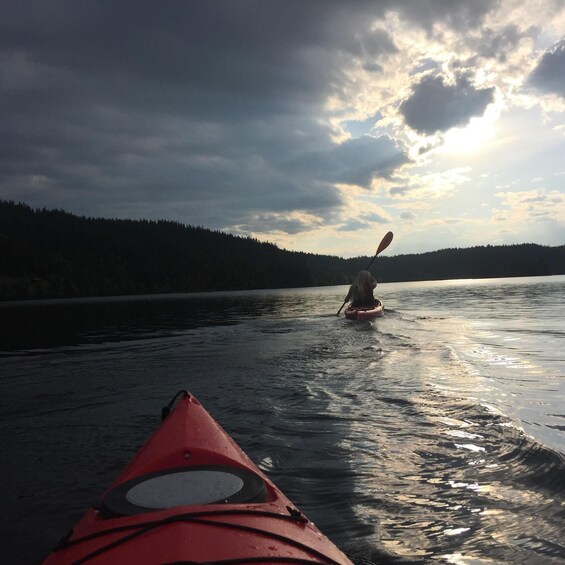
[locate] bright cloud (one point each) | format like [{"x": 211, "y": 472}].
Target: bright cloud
[
  {"x": 533, "y": 205},
  {"x": 424, "y": 186}
]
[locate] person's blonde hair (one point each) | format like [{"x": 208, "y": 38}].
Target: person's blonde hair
[{"x": 363, "y": 279}]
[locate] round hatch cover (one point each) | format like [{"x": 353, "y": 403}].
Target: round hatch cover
[{"x": 184, "y": 486}]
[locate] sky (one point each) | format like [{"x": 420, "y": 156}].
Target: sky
[{"x": 318, "y": 125}]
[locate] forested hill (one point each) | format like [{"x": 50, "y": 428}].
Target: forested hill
[{"x": 51, "y": 253}]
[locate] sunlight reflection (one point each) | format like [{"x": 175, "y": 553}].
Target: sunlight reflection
[
  {"x": 453, "y": 422},
  {"x": 475, "y": 487},
  {"x": 455, "y": 531},
  {"x": 470, "y": 446},
  {"x": 461, "y": 434}
]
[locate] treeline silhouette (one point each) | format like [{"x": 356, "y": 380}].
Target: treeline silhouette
[{"x": 55, "y": 254}]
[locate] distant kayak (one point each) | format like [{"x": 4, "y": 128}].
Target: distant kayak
[
  {"x": 365, "y": 312},
  {"x": 192, "y": 495}
]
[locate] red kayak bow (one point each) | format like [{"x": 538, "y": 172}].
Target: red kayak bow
[{"x": 192, "y": 495}]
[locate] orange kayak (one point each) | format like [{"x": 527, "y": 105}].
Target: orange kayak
[
  {"x": 365, "y": 312},
  {"x": 192, "y": 495}
]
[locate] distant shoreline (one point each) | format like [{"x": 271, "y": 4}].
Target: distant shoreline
[
  {"x": 50, "y": 254},
  {"x": 243, "y": 292}
]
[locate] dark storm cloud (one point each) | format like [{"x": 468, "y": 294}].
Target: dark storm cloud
[
  {"x": 497, "y": 44},
  {"x": 549, "y": 75},
  {"x": 356, "y": 161},
  {"x": 203, "y": 111},
  {"x": 229, "y": 60},
  {"x": 436, "y": 106}
]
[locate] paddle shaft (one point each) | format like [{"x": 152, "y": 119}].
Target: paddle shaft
[{"x": 385, "y": 242}]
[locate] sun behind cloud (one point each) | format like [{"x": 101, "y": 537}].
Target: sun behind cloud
[{"x": 474, "y": 137}]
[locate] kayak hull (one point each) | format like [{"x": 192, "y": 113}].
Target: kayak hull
[
  {"x": 365, "y": 312},
  {"x": 191, "y": 494}
]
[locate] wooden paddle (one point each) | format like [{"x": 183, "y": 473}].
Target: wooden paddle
[{"x": 385, "y": 242}]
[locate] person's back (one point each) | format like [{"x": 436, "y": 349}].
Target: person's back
[{"x": 361, "y": 291}]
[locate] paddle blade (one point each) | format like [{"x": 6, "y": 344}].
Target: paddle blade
[{"x": 384, "y": 243}]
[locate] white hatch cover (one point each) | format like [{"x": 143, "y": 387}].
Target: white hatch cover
[{"x": 184, "y": 486}]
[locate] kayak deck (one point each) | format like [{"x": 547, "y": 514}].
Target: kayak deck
[{"x": 191, "y": 494}]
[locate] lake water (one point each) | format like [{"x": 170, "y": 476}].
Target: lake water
[{"x": 434, "y": 434}]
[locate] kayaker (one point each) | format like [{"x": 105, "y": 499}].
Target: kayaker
[{"x": 361, "y": 291}]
